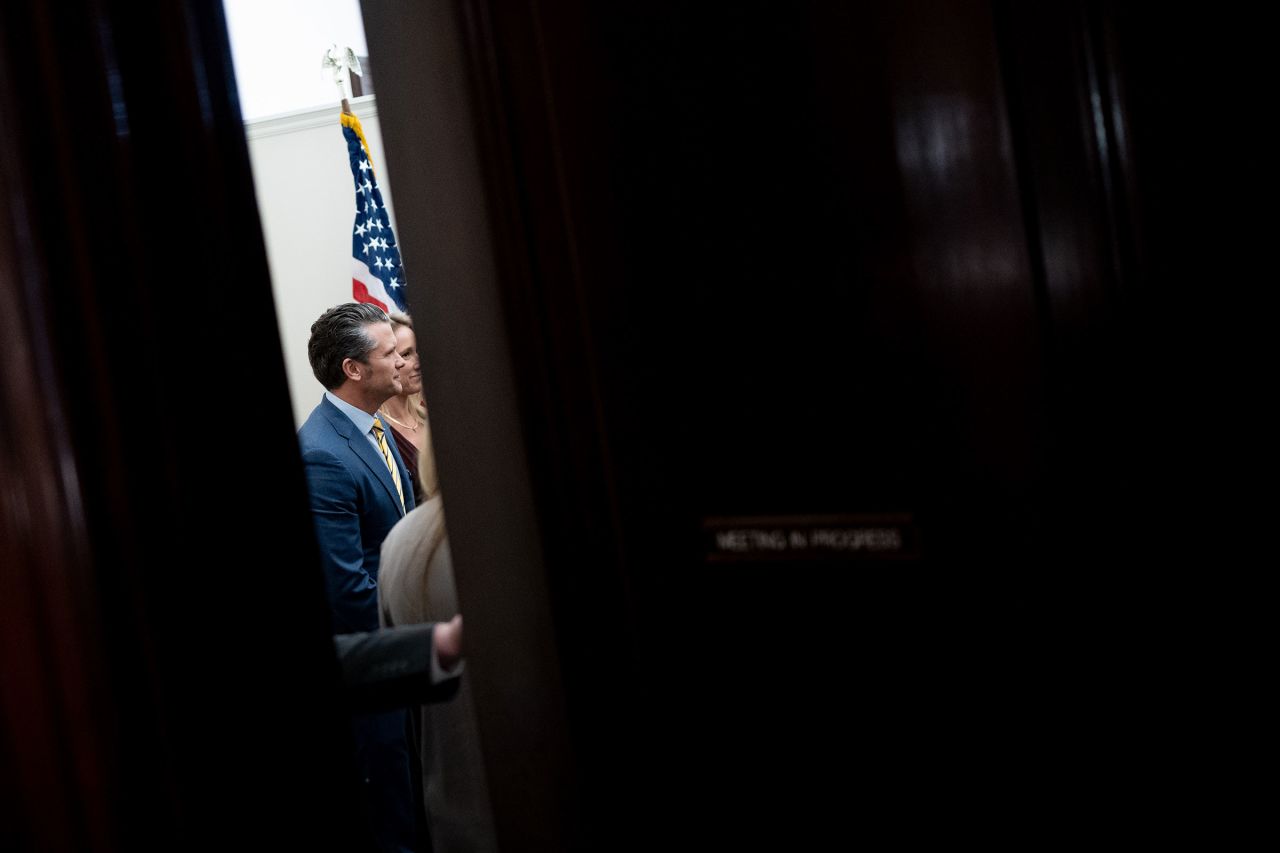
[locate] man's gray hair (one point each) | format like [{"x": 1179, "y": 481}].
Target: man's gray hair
[{"x": 341, "y": 333}]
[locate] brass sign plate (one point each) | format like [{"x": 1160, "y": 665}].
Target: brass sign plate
[{"x": 889, "y": 536}]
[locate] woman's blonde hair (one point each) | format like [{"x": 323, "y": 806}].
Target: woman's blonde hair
[{"x": 427, "y": 465}]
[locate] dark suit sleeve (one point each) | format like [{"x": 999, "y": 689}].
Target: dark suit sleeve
[
  {"x": 353, "y": 593},
  {"x": 390, "y": 668}
]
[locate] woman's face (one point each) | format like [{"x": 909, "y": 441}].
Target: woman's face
[{"x": 411, "y": 374}]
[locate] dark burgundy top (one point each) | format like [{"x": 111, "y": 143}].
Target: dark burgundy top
[{"x": 409, "y": 453}]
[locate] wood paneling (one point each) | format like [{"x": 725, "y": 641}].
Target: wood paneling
[{"x": 168, "y": 674}]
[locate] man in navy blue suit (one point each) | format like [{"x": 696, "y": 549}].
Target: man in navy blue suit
[{"x": 359, "y": 488}]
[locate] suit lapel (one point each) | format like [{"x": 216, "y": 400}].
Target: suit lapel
[
  {"x": 406, "y": 477},
  {"x": 364, "y": 451}
]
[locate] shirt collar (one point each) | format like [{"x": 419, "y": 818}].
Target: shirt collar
[{"x": 362, "y": 419}]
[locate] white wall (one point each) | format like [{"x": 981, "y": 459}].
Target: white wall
[
  {"x": 307, "y": 207},
  {"x": 277, "y": 45}
]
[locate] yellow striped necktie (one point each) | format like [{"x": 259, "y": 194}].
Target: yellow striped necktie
[{"x": 381, "y": 437}]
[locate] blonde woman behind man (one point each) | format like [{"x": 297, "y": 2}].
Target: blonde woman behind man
[{"x": 406, "y": 413}]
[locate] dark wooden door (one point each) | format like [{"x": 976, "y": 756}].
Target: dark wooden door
[
  {"x": 768, "y": 268},
  {"x": 168, "y": 677}
]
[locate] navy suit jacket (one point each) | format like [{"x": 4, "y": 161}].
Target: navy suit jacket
[{"x": 354, "y": 505}]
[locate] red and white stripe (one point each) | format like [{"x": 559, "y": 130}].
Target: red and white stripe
[{"x": 366, "y": 287}]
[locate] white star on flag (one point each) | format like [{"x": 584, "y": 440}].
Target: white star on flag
[
  {"x": 394, "y": 282},
  {"x": 361, "y": 228}
]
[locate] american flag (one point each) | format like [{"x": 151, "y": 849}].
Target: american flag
[{"x": 377, "y": 275}]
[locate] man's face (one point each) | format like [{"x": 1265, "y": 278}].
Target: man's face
[{"x": 380, "y": 373}]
